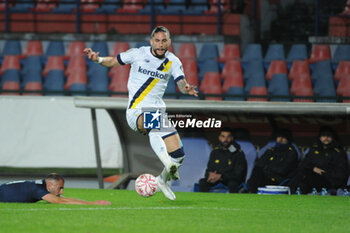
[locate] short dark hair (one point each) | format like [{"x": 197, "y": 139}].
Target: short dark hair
[
  {"x": 226, "y": 129},
  {"x": 54, "y": 176},
  {"x": 160, "y": 29}
]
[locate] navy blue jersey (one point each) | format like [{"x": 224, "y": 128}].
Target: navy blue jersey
[{"x": 23, "y": 191}]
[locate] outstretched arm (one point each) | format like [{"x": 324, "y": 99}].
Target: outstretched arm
[
  {"x": 105, "y": 61},
  {"x": 66, "y": 200},
  {"x": 186, "y": 88}
]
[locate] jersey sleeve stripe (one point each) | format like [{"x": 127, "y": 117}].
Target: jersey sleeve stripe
[
  {"x": 143, "y": 91},
  {"x": 179, "y": 78},
  {"x": 120, "y": 60}
]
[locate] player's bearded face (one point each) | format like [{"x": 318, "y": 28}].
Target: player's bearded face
[{"x": 160, "y": 43}]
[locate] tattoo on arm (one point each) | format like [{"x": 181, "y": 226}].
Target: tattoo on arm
[{"x": 181, "y": 84}]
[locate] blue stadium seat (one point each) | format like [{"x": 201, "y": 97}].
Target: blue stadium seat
[
  {"x": 274, "y": 52},
  {"x": 10, "y": 75},
  {"x": 250, "y": 155},
  {"x": 342, "y": 53},
  {"x": 322, "y": 78},
  {"x": 235, "y": 91},
  {"x": 141, "y": 44},
  {"x": 251, "y": 52},
  {"x": 253, "y": 67},
  {"x": 55, "y": 48},
  {"x": 12, "y": 47},
  {"x": 278, "y": 86},
  {"x": 321, "y": 69},
  {"x": 170, "y": 91},
  {"x": 158, "y": 6},
  {"x": 109, "y": 6},
  {"x": 54, "y": 81},
  {"x": 296, "y": 52},
  {"x": 32, "y": 63},
  {"x": 31, "y": 76},
  {"x": 197, "y": 7},
  {"x": 197, "y": 152},
  {"x": 272, "y": 144},
  {"x": 208, "y": 51},
  {"x": 208, "y": 66},
  {"x": 80, "y": 88},
  {"x": 65, "y": 6},
  {"x": 255, "y": 80},
  {"x": 100, "y": 46},
  {"x": 175, "y": 7},
  {"x": 22, "y": 6}
]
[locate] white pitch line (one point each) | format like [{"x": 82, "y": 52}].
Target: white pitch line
[{"x": 123, "y": 208}]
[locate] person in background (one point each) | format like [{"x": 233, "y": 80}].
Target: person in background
[
  {"x": 227, "y": 165},
  {"x": 324, "y": 166},
  {"x": 49, "y": 189}
]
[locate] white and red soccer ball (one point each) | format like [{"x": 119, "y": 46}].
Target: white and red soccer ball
[{"x": 146, "y": 185}]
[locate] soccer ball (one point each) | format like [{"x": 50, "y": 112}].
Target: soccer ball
[{"x": 146, "y": 185}]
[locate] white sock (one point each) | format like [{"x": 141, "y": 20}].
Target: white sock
[
  {"x": 159, "y": 147},
  {"x": 164, "y": 175}
]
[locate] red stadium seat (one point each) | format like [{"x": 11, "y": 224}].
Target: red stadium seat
[
  {"x": 320, "y": 53},
  {"x": 119, "y": 82},
  {"x": 233, "y": 80},
  {"x": 191, "y": 71},
  {"x": 343, "y": 69},
  {"x": 304, "y": 92},
  {"x": 75, "y": 63},
  {"x": 119, "y": 47},
  {"x": 78, "y": 76},
  {"x": 299, "y": 67},
  {"x": 211, "y": 84},
  {"x": 187, "y": 50},
  {"x": 89, "y": 5},
  {"x": 346, "y": 93},
  {"x": 259, "y": 91},
  {"x": 301, "y": 81},
  {"x": 225, "y": 6},
  {"x": 230, "y": 52},
  {"x": 11, "y": 86},
  {"x": 33, "y": 86},
  {"x": 33, "y": 48},
  {"x": 119, "y": 71},
  {"x": 10, "y": 62},
  {"x": 276, "y": 67},
  {"x": 131, "y": 6},
  {"x": 337, "y": 27},
  {"x": 54, "y": 63},
  {"x": 344, "y": 84},
  {"x": 75, "y": 48},
  {"x": 231, "y": 66}
]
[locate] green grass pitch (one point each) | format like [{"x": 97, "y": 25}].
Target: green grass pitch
[{"x": 191, "y": 212}]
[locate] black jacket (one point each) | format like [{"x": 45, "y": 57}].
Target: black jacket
[
  {"x": 279, "y": 162},
  {"x": 231, "y": 165},
  {"x": 332, "y": 159}
]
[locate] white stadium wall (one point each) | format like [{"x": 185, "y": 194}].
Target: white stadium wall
[{"x": 52, "y": 132}]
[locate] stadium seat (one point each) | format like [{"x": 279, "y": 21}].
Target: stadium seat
[
  {"x": 187, "y": 50},
  {"x": 197, "y": 151},
  {"x": 344, "y": 84},
  {"x": 276, "y": 67},
  {"x": 89, "y": 5},
  {"x": 109, "y": 6},
  {"x": 54, "y": 81},
  {"x": 78, "y": 89},
  {"x": 191, "y": 71},
  {"x": 75, "y": 63},
  {"x": 98, "y": 86},
  {"x": 122, "y": 71},
  {"x": 255, "y": 80},
  {"x": 213, "y": 6},
  {"x": 65, "y": 6},
  {"x": 119, "y": 81},
  {"x": 10, "y": 75},
  {"x": 44, "y": 6},
  {"x": 320, "y": 53},
  {"x": 231, "y": 67},
  {"x": 342, "y": 53},
  {"x": 175, "y": 7},
  {"x": 208, "y": 66},
  {"x": 34, "y": 87},
  {"x": 33, "y": 48},
  {"x": 229, "y": 52},
  {"x": 321, "y": 69},
  {"x": 170, "y": 91},
  {"x": 55, "y": 48},
  {"x": 252, "y": 52},
  {"x": 233, "y": 80},
  {"x": 271, "y": 144},
  {"x": 100, "y": 46},
  {"x": 75, "y": 48},
  {"x": 253, "y": 68},
  {"x": 78, "y": 76},
  {"x": 10, "y": 62},
  {"x": 301, "y": 81},
  {"x": 32, "y": 63},
  {"x": 22, "y": 6},
  {"x": 235, "y": 91},
  {"x": 131, "y": 6},
  {"x": 324, "y": 87},
  {"x": 346, "y": 94},
  {"x": 343, "y": 69},
  {"x": 296, "y": 52},
  {"x": 258, "y": 91},
  {"x": 53, "y": 63},
  {"x": 31, "y": 76},
  {"x": 208, "y": 51},
  {"x": 141, "y": 44},
  {"x": 274, "y": 52},
  {"x": 12, "y": 47},
  {"x": 299, "y": 68},
  {"x": 278, "y": 86},
  {"x": 211, "y": 85},
  {"x": 119, "y": 47},
  {"x": 307, "y": 92},
  {"x": 250, "y": 155},
  {"x": 197, "y": 7},
  {"x": 10, "y": 86}
]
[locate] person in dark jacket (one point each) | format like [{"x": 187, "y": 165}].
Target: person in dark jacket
[
  {"x": 276, "y": 164},
  {"x": 227, "y": 164},
  {"x": 324, "y": 166}
]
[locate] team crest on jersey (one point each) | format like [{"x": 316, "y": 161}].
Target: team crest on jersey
[{"x": 165, "y": 66}]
